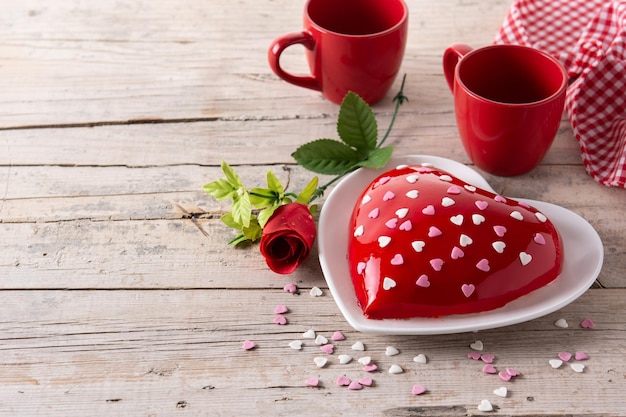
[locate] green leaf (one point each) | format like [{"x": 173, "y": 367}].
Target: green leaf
[
  {"x": 327, "y": 156},
  {"x": 273, "y": 183},
  {"x": 231, "y": 176},
  {"x": 305, "y": 195},
  {"x": 242, "y": 208},
  {"x": 254, "y": 231},
  {"x": 263, "y": 197},
  {"x": 220, "y": 189},
  {"x": 228, "y": 220},
  {"x": 356, "y": 124},
  {"x": 265, "y": 214},
  {"x": 238, "y": 240},
  {"x": 377, "y": 158}
]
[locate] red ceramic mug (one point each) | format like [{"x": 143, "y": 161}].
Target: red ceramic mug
[
  {"x": 351, "y": 45},
  {"x": 508, "y": 102}
]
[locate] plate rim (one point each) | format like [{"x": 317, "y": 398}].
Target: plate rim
[{"x": 457, "y": 324}]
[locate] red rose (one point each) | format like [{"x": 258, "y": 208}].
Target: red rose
[{"x": 287, "y": 237}]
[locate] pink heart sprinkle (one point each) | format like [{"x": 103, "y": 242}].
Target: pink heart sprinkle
[
  {"x": 280, "y": 309},
  {"x": 581, "y": 356},
  {"x": 397, "y": 259},
  {"x": 328, "y": 349},
  {"x": 389, "y": 196},
  {"x": 512, "y": 372},
  {"x": 370, "y": 367},
  {"x": 290, "y": 288},
  {"x": 487, "y": 357},
  {"x": 248, "y": 344},
  {"x": 481, "y": 204},
  {"x": 355, "y": 386},
  {"x": 392, "y": 223},
  {"x": 429, "y": 210},
  {"x": 564, "y": 356},
  {"x": 406, "y": 226},
  {"x": 468, "y": 289},
  {"x": 436, "y": 263},
  {"x": 366, "y": 381},
  {"x": 337, "y": 337},
  {"x": 539, "y": 239},
  {"x": 505, "y": 376},
  {"x": 454, "y": 190},
  {"x": 489, "y": 369},
  {"x": 587, "y": 324},
  {"x": 474, "y": 355},
  {"x": 374, "y": 213},
  {"x": 280, "y": 320},
  {"x": 424, "y": 170},
  {"x": 500, "y": 199},
  {"x": 360, "y": 267},
  {"x": 312, "y": 382},
  {"x": 434, "y": 232},
  {"x": 418, "y": 390},
  {"x": 483, "y": 265},
  {"x": 343, "y": 381},
  {"x": 383, "y": 181},
  {"x": 457, "y": 253},
  {"x": 500, "y": 230},
  {"x": 423, "y": 281}
]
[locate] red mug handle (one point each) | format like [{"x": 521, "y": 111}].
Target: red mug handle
[
  {"x": 451, "y": 57},
  {"x": 276, "y": 49}
]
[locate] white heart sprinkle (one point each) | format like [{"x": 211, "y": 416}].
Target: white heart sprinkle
[
  {"x": 388, "y": 283},
  {"x": 316, "y": 292},
  {"x": 358, "y": 346},
  {"x": 458, "y": 219},
  {"x": 412, "y": 179},
  {"x": 469, "y": 188},
  {"x": 501, "y": 392},
  {"x": 577, "y": 367},
  {"x": 418, "y": 245},
  {"x": 465, "y": 240},
  {"x": 395, "y": 369},
  {"x": 320, "y": 340},
  {"x": 447, "y": 202},
  {"x": 383, "y": 241},
  {"x": 561, "y": 323},
  {"x": 344, "y": 359},
  {"x": 320, "y": 361},
  {"x": 412, "y": 194},
  {"x": 421, "y": 358},
  {"x": 401, "y": 213},
  {"x": 555, "y": 363},
  {"x": 309, "y": 334},
  {"x": 517, "y": 215},
  {"x": 446, "y": 178},
  {"x": 541, "y": 217},
  {"x": 366, "y": 199},
  {"x": 391, "y": 351},
  {"x": 365, "y": 360},
  {"x": 359, "y": 231},
  {"x": 485, "y": 405},
  {"x": 525, "y": 258},
  {"x": 296, "y": 344},
  {"x": 477, "y": 345},
  {"x": 499, "y": 246},
  {"x": 402, "y": 166},
  {"x": 478, "y": 219}
]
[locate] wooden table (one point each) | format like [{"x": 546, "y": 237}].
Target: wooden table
[{"x": 119, "y": 295}]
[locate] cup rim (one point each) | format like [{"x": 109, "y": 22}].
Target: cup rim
[
  {"x": 401, "y": 22},
  {"x": 551, "y": 97}
]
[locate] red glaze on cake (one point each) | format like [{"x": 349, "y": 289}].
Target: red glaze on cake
[{"x": 425, "y": 244}]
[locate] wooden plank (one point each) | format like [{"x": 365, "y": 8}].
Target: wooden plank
[
  {"x": 161, "y": 352},
  {"x": 91, "y": 63}
]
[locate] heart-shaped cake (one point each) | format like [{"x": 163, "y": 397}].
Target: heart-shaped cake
[{"x": 426, "y": 244}]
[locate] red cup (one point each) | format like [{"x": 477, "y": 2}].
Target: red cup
[
  {"x": 351, "y": 45},
  {"x": 508, "y": 102}
]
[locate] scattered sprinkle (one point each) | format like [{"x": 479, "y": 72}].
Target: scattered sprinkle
[
  {"x": 280, "y": 320},
  {"x": 555, "y": 363},
  {"x": 358, "y": 346},
  {"x": 280, "y": 309},
  {"x": 365, "y": 360},
  {"x": 248, "y": 345},
  {"x": 320, "y": 340},
  {"x": 421, "y": 358},
  {"x": 564, "y": 356},
  {"x": 343, "y": 381},
  {"x": 337, "y": 337},
  {"x": 370, "y": 367},
  {"x": 501, "y": 392},
  {"x": 309, "y": 334},
  {"x": 578, "y": 367},
  {"x": 290, "y": 288},
  {"x": 316, "y": 292},
  {"x": 312, "y": 382},
  {"x": 581, "y": 356},
  {"x": 344, "y": 359},
  {"x": 328, "y": 349},
  {"x": 355, "y": 386},
  {"x": 296, "y": 344},
  {"x": 487, "y": 357},
  {"x": 485, "y": 405},
  {"x": 587, "y": 324},
  {"x": 320, "y": 361},
  {"x": 366, "y": 381},
  {"x": 489, "y": 369},
  {"x": 474, "y": 355},
  {"x": 561, "y": 323},
  {"x": 513, "y": 372},
  {"x": 391, "y": 351},
  {"x": 395, "y": 369},
  {"x": 504, "y": 375},
  {"x": 418, "y": 390}
]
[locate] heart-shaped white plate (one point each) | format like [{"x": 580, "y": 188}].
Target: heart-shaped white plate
[{"x": 583, "y": 257}]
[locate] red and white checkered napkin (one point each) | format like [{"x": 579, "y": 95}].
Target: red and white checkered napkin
[{"x": 589, "y": 38}]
